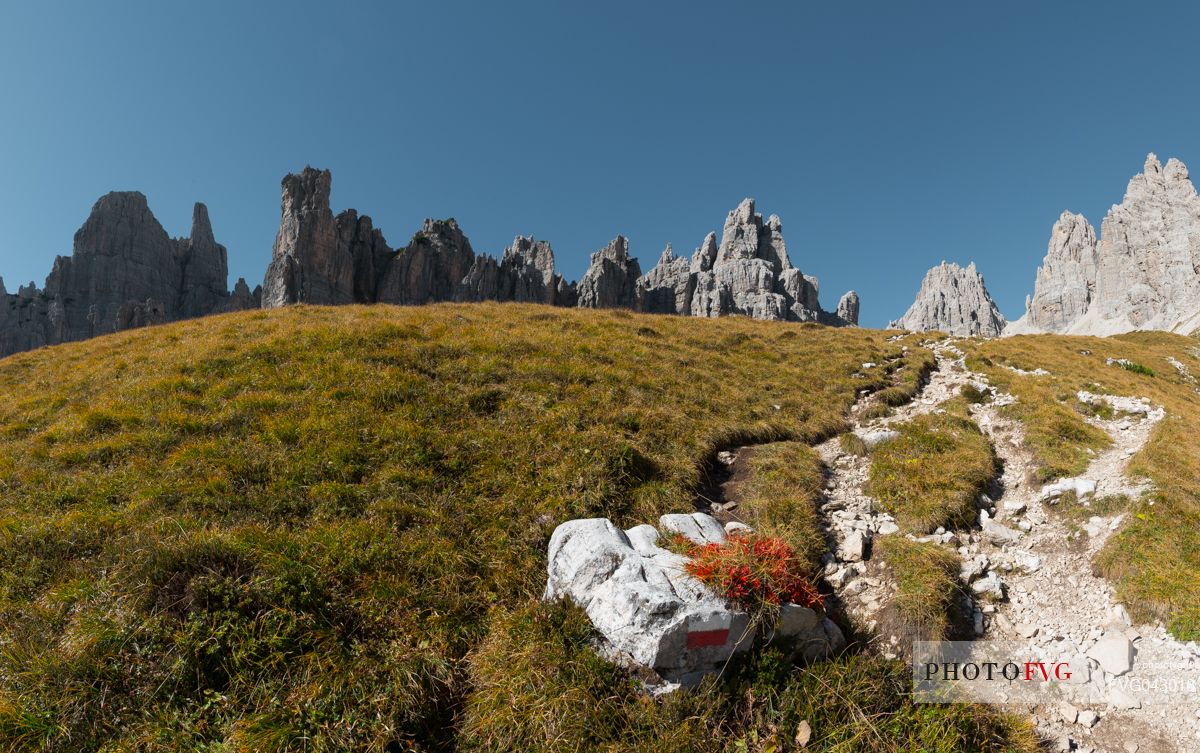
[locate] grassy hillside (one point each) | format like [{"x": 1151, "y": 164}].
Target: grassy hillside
[{"x": 324, "y": 529}]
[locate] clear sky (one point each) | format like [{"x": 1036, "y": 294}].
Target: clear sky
[{"x": 888, "y": 136}]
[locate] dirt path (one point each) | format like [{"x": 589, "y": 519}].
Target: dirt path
[{"x": 1054, "y": 607}]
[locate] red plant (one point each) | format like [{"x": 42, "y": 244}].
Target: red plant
[{"x": 754, "y": 571}]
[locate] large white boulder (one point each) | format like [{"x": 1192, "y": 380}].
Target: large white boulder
[{"x": 647, "y": 608}]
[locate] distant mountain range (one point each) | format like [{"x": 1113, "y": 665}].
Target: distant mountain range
[
  {"x": 125, "y": 271},
  {"x": 1143, "y": 272}
]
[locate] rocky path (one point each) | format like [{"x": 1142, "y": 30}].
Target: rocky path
[{"x": 1031, "y": 570}]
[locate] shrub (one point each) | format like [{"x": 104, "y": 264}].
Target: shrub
[
  {"x": 1136, "y": 368},
  {"x": 853, "y": 444},
  {"x": 757, "y": 573},
  {"x": 926, "y": 606}
]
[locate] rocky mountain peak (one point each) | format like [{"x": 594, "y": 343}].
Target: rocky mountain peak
[
  {"x": 847, "y": 308},
  {"x": 202, "y": 233},
  {"x": 705, "y": 255},
  {"x": 955, "y": 300},
  {"x": 307, "y": 191},
  {"x": 611, "y": 279},
  {"x": 1140, "y": 273},
  {"x": 125, "y": 271},
  {"x": 746, "y": 236}
]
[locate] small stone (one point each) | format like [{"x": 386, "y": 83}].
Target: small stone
[
  {"x": 990, "y": 585},
  {"x": 887, "y": 528},
  {"x": 1114, "y": 653},
  {"x": 1014, "y": 507},
  {"x": 997, "y": 533},
  {"x": 854, "y": 548},
  {"x": 1068, "y": 712},
  {"x": 1119, "y": 614},
  {"x": 1088, "y": 718},
  {"x": 1025, "y": 630},
  {"x": 1131, "y": 747},
  {"x": 1119, "y": 699}
]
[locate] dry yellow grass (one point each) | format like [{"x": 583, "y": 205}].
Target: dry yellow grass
[{"x": 290, "y": 530}]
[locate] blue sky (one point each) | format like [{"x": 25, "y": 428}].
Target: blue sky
[{"x": 888, "y": 138}]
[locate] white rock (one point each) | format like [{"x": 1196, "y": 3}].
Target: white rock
[
  {"x": 734, "y": 527},
  {"x": 646, "y": 607},
  {"x": 1114, "y": 653},
  {"x": 1080, "y": 669},
  {"x": 1088, "y": 718},
  {"x": 854, "y": 548},
  {"x": 887, "y": 528},
  {"x": 697, "y": 527},
  {"x": 1120, "y": 615},
  {"x": 875, "y": 437},
  {"x": 1014, "y": 507},
  {"x": 1081, "y": 486},
  {"x": 1027, "y": 562},
  {"x": 998, "y": 533},
  {"x": 990, "y": 585}
]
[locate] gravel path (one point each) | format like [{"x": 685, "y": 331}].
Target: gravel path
[{"x": 1038, "y": 563}]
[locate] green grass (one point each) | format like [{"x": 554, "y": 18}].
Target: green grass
[
  {"x": 1154, "y": 560},
  {"x": 926, "y": 606},
  {"x": 779, "y": 497},
  {"x": 933, "y": 472},
  {"x": 316, "y": 529}
]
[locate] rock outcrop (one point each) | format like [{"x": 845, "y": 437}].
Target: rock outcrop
[
  {"x": 847, "y": 308},
  {"x": 312, "y": 260},
  {"x": 748, "y": 273},
  {"x": 320, "y": 258},
  {"x": 1142, "y": 273},
  {"x": 125, "y": 271},
  {"x": 953, "y": 300},
  {"x": 611, "y": 281},
  {"x": 525, "y": 274},
  {"x": 667, "y": 288},
  {"x": 650, "y": 611},
  {"x": 432, "y": 267}
]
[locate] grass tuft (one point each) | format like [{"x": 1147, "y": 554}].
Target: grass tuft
[
  {"x": 928, "y": 590},
  {"x": 909, "y": 475}
]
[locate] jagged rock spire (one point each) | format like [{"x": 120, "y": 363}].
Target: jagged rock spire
[
  {"x": 1142, "y": 271},
  {"x": 611, "y": 279},
  {"x": 953, "y": 300},
  {"x": 125, "y": 271}
]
